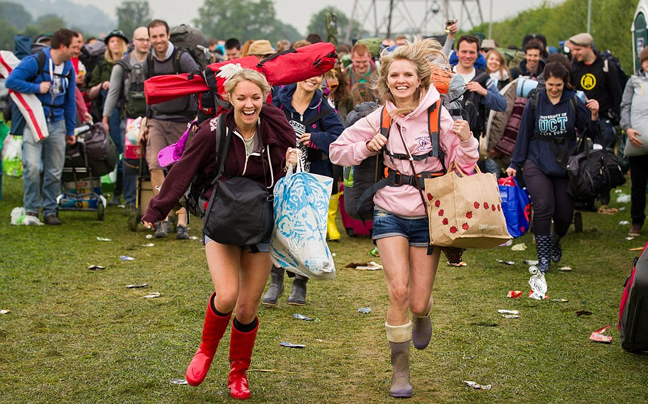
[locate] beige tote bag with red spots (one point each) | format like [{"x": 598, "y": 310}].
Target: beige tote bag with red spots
[{"x": 465, "y": 211}]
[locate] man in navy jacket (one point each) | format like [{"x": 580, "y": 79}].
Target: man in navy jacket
[{"x": 50, "y": 75}]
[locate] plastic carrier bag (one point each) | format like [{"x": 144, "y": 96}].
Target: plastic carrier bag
[
  {"x": 12, "y": 156},
  {"x": 298, "y": 242},
  {"x": 516, "y": 206}
]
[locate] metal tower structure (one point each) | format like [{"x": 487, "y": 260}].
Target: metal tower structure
[{"x": 422, "y": 17}]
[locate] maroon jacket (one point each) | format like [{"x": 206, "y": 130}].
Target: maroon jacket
[{"x": 277, "y": 136}]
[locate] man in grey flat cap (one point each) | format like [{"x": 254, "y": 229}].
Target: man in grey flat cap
[{"x": 599, "y": 80}]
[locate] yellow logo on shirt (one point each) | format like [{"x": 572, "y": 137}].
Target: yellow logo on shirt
[{"x": 588, "y": 81}]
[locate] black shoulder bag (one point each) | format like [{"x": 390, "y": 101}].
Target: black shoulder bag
[{"x": 240, "y": 209}]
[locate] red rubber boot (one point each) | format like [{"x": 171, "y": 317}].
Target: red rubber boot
[
  {"x": 241, "y": 346},
  {"x": 213, "y": 331}
]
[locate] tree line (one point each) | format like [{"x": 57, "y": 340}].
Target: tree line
[{"x": 610, "y": 25}]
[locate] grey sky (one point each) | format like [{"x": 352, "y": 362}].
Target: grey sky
[{"x": 298, "y": 13}]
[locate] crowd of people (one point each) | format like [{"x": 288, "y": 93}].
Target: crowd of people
[{"x": 522, "y": 134}]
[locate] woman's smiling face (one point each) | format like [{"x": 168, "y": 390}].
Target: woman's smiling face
[
  {"x": 247, "y": 100},
  {"x": 402, "y": 81}
]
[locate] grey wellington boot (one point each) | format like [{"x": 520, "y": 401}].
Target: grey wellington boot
[
  {"x": 276, "y": 288},
  {"x": 400, "y": 338},
  {"x": 421, "y": 331},
  {"x": 298, "y": 292},
  {"x": 400, "y": 387}
]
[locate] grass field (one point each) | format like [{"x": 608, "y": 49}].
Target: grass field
[{"x": 80, "y": 336}]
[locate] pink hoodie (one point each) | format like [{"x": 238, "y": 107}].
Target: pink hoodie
[{"x": 350, "y": 149}]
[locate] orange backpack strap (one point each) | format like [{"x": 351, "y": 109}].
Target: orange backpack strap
[
  {"x": 434, "y": 123},
  {"x": 385, "y": 122}
]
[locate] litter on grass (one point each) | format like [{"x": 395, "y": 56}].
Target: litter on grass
[
  {"x": 148, "y": 245},
  {"x": 623, "y": 198},
  {"x": 506, "y": 262},
  {"x": 103, "y": 239},
  {"x": 507, "y": 243},
  {"x": 565, "y": 269},
  {"x": 289, "y": 345},
  {"x": 151, "y": 295},
  {"x": 5, "y": 311},
  {"x": 510, "y": 316},
  {"x": 583, "y": 313},
  {"x": 458, "y": 264},
  {"x": 126, "y": 258},
  {"x": 367, "y": 266},
  {"x": 519, "y": 247},
  {"x": 514, "y": 294},
  {"x": 370, "y": 266},
  {"x": 364, "y": 310},
  {"x": 149, "y": 236},
  {"x": 477, "y": 386},
  {"x": 531, "y": 262},
  {"x": 597, "y": 336},
  {"x": 505, "y": 311},
  {"x": 629, "y": 238},
  {"x": 624, "y": 223},
  {"x": 194, "y": 238},
  {"x": 143, "y": 285},
  {"x": 560, "y": 300},
  {"x": 19, "y": 217},
  {"x": 538, "y": 284},
  {"x": 532, "y": 295},
  {"x": 302, "y": 317},
  {"x": 95, "y": 267},
  {"x": 178, "y": 381}
]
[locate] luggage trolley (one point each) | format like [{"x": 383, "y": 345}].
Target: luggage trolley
[
  {"x": 81, "y": 189},
  {"x": 144, "y": 192}
]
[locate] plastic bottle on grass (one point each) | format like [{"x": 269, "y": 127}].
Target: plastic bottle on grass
[{"x": 538, "y": 283}]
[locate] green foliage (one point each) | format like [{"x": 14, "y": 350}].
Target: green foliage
[
  {"x": 87, "y": 17},
  {"x": 45, "y": 24},
  {"x": 15, "y": 13},
  {"x": 7, "y": 32},
  {"x": 242, "y": 19},
  {"x": 133, "y": 14},
  {"x": 610, "y": 25},
  {"x": 287, "y": 31},
  {"x": 346, "y": 27}
]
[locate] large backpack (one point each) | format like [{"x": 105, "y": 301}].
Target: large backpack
[
  {"x": 362, "y": 181},
  {"x": 193, "y": 41},
  {"x": 633, "y": 310},
  {"x": 474, "y": 110},
  {"x": 609, "y": 58},
  {"x": 132, "y": 95},
  {"x": 92, "y": 55}
]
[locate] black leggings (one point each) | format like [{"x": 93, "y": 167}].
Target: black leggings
[
  {"x": 639, "y": 176},
  {"x": 550, "y": 200}
]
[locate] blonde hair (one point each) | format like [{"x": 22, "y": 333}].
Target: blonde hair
[
  {"x": 421, "y": 53},
  {"x": 247, "y": 75},
  {"x": 122, "y": 49}
]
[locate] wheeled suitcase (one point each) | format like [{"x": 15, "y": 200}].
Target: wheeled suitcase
[
  {"x": 633, "y": 311},
  {"x": 353, "y": 227}
]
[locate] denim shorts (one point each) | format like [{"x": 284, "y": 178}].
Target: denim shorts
[
  {"x": 385, "y": 224},
  {"x": 261, "y": 247}
]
